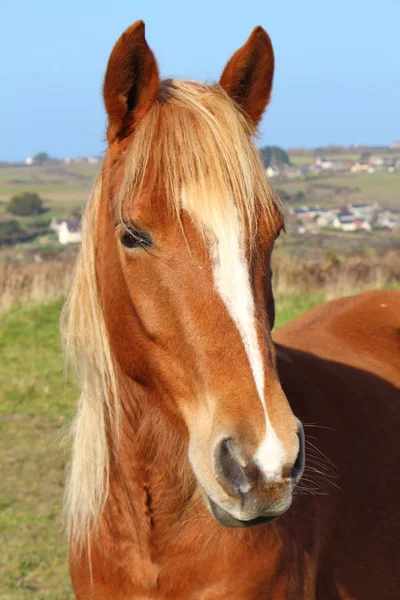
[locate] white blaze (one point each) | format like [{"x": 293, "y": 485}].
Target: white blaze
[{"x": 232, "y": 282}]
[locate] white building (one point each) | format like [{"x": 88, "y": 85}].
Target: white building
[
  {"x": 323, "y": 163},
  {"x": 362, "y": 211},
  {"x": 387, "y": 220},
  {"x": 272, "y": 171},
  {"x": 349, "y": 222},
  {"x": 69, "y": 232},
  {"x": 55, "y": 224},
  {"x": 326, "y": 218}
]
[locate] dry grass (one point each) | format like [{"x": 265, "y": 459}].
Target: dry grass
[
  {"x": 335, "y": 276},
  {"x": 21, "y": 283},
  {"x": 332, "y": 277}
]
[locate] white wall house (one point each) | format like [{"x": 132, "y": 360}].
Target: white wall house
[
  {"x": 348, "y": 223},
  {"x": 55, "y": 224},
  {"x": 387, "y": 221},
  {"x": 69, "y": 232},
  {"x": 362, "y": 211},
  {"x": 272, "y": 171}
]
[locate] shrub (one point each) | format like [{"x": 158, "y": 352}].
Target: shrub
[
  {"x": 8, "y": 229},
  {"x": 299, "y": 196},
  {"x": 273, "y": 155},
  {"x": 40, "y": 158},
  {"x": 25, "y": 204}
]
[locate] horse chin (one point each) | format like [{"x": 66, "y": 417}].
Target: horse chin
[{"x": 224, "y": 518}]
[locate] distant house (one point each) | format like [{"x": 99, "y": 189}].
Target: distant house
[
  {"x": 68, "y": 230},
  {"x": 348, "y": 222},
  {"x": 55, "y": 224},
  {"x": 291, "y": 172},
  {"x": 343, "y": 217},
  {"x": 376, "y": 161},
  {"x": 272, "y": 171},
  {"x": 326, "y": 218},
  {"x": 74, "y": 160},
  {"x": 387, "y": 220},
  {"x": 29, "y": 160},
  {"x": 362, "y": 168},
  {"x": 362, "y": 210},
  {"x": 347, "y": 164},
  {"x": 337, "y": 165},
  {"x": 323, "y": 163},
  {"x": 307, "y": 214}
]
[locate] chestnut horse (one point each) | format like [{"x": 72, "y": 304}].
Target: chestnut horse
[{"x": 186, "y": 433}]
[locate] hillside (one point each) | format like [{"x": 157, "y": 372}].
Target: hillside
[{"x": 64, "y": 189}]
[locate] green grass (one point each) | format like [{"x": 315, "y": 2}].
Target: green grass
[
  {"x": 354, "y": 157},
  {"x": 62, "y": 187},
  {"x": 340, "y": 189},
  {"x": 36, "y": 404},
  {"x": 375, "y": 182},
  {"x": 309, "y": 159},
  {"x": 289, "y": 306}
]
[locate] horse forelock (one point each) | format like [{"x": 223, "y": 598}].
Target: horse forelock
[{"x": 194, "y": 138}]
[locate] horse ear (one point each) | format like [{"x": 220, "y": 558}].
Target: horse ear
[
  {"x": 131, "y": 83},
  {"x": 247, "y": 78}
]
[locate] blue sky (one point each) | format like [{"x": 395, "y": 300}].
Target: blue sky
[{"x": 337, "y": 66}]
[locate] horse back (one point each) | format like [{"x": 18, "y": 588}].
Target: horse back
[
  {"x": 362, "y": 330},
  {"x": 339, "y": 365}
]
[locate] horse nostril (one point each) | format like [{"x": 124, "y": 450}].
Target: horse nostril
[
  {"x": 228, "y": 471},
  {"x": 298, "y": 468}
]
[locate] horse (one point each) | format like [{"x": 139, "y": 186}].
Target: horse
[{"x": 188, "y": 477}]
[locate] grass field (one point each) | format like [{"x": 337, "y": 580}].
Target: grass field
[
  {"x": 382, "y": 188},
  {"x": 65, "y": 188},
  {"x": 62, "y": 187},
  {"x": 354, "y": 157},
  {"x": 35, "y": 406},
  {"x": 309, "y": 159},
  {"x": 36, "y": 403}
]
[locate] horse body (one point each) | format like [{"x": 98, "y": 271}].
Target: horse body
[
  {"x": 188, "y": 430},
  {"x": 339, "y": 543},
  {"x": 341, "y": 370}
]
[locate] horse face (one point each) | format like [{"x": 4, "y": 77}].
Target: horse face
[{"x": 186, "y": 297}]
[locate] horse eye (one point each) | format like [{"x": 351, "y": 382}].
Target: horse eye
[{"x": 132, "y": 238}]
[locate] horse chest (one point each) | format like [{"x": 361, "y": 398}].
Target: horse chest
[{"x": 215, "y": 570}]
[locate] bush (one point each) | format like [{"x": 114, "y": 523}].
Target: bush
[
  {"x": 40, "y": 158},
  {"x": 25, "y": 204},
  {"x": 274, "y": 156},
  {"x": 299, "y": 196},
  {"x": 8, "y": 229}
]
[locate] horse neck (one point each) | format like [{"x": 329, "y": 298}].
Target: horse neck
[
  {"x": 151, "y": 481},
  {"x": 154, "y": 504}
]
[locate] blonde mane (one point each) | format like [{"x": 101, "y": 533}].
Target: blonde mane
[{"x": 194, "y": 142}]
